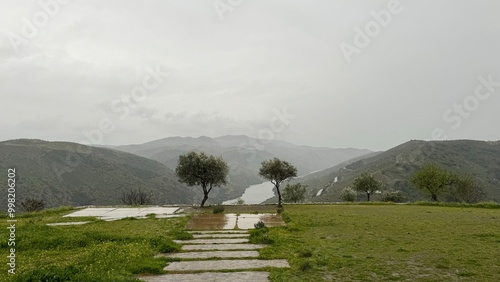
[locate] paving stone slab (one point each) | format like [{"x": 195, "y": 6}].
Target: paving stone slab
[
  {"x": 90, "y": 212},
  {"x": 208, "y": 236},
  {"x": 110, "y": 214},
  {"x": 212, "y": 241},
  {"x": 221, "y": 247},
  {"x": 67, "y": 223},
  {"x": 213, "y": 254},
  {"x": 247, "y": 276},
  {"x": 225, "y": 264},
  {"x": 218, "y": 231}
]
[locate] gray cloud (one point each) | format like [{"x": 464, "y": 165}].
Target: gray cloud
[{"x": 226, "y": 76}]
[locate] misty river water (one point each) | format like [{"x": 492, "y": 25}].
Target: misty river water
[{"x": 255, "y": 194}]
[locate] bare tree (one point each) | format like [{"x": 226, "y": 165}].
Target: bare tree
[{"x": 135, "y": 198}]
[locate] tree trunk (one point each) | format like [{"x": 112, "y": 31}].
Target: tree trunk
[
  {"x": 434, "y": 197},
  {"x": 205, "y": 198},
  {"x": 368, "y": 196},
  {"x": 279, "y": 196}
]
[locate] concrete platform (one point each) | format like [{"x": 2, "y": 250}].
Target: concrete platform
[
  {"x": 213, "y": 254},
  {"x": 213, "y": 241},
  {"x": 218, "y": 232},
  {"x": 231, "y": 221},
  {"x": 225, "y": 264},
  {"x": 120, "y": 213},
  {"x": 247, "y": 276},
  {"x": 221, "y": 247},
  {"x": 208, "y": 236}
]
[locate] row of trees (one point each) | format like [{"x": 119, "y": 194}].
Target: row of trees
[
  {"x": 199, "y": 169},
  {"x": 430, "y": 179}
]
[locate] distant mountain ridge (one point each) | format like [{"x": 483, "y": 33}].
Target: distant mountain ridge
[
  {"x": 244, "y": 155},
  {"x": 395, "y": 166}
]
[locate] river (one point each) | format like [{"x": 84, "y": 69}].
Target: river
[
  {"x": 258, "y": 193},
  {"x": 255, "y": 194}
]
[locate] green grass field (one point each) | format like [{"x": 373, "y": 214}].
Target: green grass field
[
  {"x": 387, "y": 243},
  {"x": 322, "y": 243}
]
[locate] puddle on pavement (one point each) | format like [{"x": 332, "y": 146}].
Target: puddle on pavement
[
  {"x": 231, "y": 221},
  {"x": 207, "y": 222}
]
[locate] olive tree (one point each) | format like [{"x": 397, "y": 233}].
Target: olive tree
[
  {"x": 199, "y": 169},
  {"x": 348, "y": 195},
  {"x": 294, "y": 193},
  {"x": 433, "y": 180},
  {"x": 277, "y": 171},
  {"x": 465, "y": 189},
  {"x": 366, "y": 183}
]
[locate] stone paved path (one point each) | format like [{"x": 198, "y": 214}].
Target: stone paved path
[
  {"x": 209, "y": 236},
  {"x": 214, "y": 254},
  {"x": 210, "y": 247},
  {"x": 208, "y": 251},
  {"x": 247, "y": 276},
  {"x": 225, "y": 264},
  {"x": 212, "y": 241}
]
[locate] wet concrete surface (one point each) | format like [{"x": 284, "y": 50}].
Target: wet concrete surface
[
  {"x": 209, "y": 236},
  {"x": 110, "y": 214},
  {"x": 232, "y": 221},
  {"x": 225, "y": 264},
  {"x": 214, "y": 254},
  {"x": 211, "y": 247},
  {"x": 246, "y": 276},
  {"x": 213, "y": 241}
]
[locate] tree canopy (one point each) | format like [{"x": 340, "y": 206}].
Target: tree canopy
[
  {"x": 367, "y": 183},
  {"x": 294, "y": 193},
  {"x": 277, "y": 171},
  {"x": 465, "y": 189},
  {"x": 199, "y": 169},
  {"x": 432, "y": 179}
]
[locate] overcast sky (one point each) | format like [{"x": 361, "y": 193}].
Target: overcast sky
[{"x": 366, "y": 74}]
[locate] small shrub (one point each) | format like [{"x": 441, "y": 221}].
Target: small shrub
[
  {"x": 135, "y": 198},
  {"x": 169, "y": 247},
  {"x": 348, "y": 195},
  {"x": 392, "y": 196},
  {"x": 218, "y": 209},
  {"x": 32, "y": 205},
  {"x": 260, "y": 236},
  {"x": 305, "y": 254},
  {"x": 259, "y": 225},
  {"x": 238, "y": 201},
  {"x": 164, "y": 245},
  {"x": 306, "y": 265}
]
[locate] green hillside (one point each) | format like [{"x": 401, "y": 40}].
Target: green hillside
[
  {"x": 62, "y": 173},
  {"x": 394, "y": 167}
]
